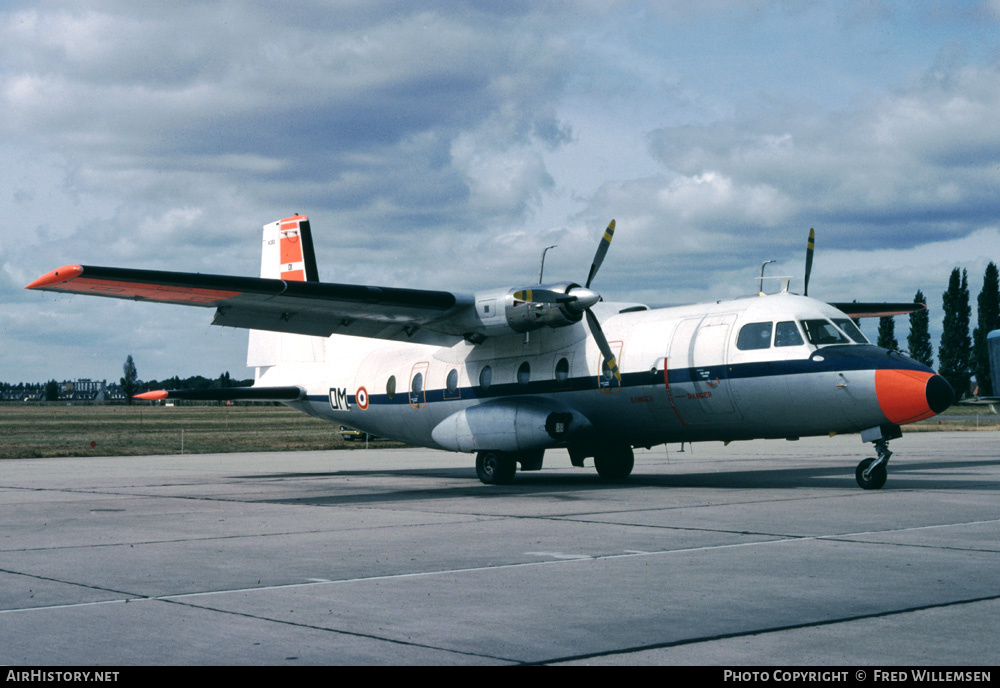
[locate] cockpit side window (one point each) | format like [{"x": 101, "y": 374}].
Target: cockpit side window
[
  {"x": 787, "y": 334},
  {"x": 754, "y": 336},
  {"x": 823, "y": 332},
  {"x": 848, "y": 326}
]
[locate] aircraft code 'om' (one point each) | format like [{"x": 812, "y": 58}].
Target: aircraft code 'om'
[{"x": 338, "y": 399}]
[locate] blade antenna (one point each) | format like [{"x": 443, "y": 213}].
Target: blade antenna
[{"x": 541, "y": 268}]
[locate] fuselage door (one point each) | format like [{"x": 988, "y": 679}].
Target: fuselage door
[{"x": 698, "y": 379}]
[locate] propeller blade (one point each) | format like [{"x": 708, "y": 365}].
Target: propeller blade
[
  {"x": 810, "y": 246},
  {"x": 602, "y": 344},
  {"x": 602, "y": 250}
]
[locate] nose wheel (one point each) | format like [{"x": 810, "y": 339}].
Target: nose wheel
[{"x": 871, "y": 473}]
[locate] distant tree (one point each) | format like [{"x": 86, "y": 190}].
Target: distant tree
[
  {"x": 51, "y": 392},
  {"x": 955, "y": 352},
  {"x": 919, "y": 339},
  {"x": 130, "y": 379},
  {"x": 988, "y": 319},
  {"x": 887, "y": 334}
]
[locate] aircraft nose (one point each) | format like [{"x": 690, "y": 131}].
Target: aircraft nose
[
  {"x": 906, "y": 396},
  {"x": 939, "y": 393}
]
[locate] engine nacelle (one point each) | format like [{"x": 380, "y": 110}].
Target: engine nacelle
[
  {"x": 525, "y": 315},
  {"x": 498, "y": 312}
]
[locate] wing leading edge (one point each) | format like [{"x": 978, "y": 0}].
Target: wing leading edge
[
  {"x": 310, "y": 308},
  {"x": 877, "y": 310}
]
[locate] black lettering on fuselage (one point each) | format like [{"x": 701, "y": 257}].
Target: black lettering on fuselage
[{"x": 338, "y": 399}]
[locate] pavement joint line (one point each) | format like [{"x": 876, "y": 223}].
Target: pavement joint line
[
  {"x": 766, "y": 631},
  {"x": 340, "y": 631},
  {"x": 474, "y": 569}
]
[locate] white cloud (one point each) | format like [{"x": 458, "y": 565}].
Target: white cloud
[{"x": 444, "y": 145}]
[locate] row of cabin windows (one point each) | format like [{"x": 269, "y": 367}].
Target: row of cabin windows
[
  {"x": 818, "y": 332},
  {"x": 485, "y": 379}
]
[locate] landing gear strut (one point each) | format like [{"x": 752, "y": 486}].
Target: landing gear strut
[{"x": 871, "y": 473}]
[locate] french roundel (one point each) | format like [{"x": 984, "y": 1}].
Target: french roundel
[{"x": 361, "y": 398}]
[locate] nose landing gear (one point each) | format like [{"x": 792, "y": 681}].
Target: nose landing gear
[{"x": 871, "y": 473}]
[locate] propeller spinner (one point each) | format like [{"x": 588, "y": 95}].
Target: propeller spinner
[{"x": 580, "y": 299}]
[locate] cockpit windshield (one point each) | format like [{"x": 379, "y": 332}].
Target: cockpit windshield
[
  {"x": 823, "y": 333},
  {"x": 848, "y": 326}
]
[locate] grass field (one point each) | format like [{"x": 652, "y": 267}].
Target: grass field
[{"x": 41, "y": 430}]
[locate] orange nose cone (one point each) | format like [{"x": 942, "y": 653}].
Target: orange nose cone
[{"x": 907, "y": 396}]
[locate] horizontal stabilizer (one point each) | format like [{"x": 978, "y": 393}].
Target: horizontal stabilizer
[
  {"x": 291, "y": 393},
  {"x": 877, "y": 310}
]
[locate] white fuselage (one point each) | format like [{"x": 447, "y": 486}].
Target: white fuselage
[{"x": 686, "y": 374}]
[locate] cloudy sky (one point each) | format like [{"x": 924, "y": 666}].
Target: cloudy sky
[{"x": 443, "y": 144}]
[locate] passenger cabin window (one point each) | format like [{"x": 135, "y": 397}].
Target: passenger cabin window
[
  {"x": 524, "y": 373},
  {"x": 390, "y": 387},
  {"x": 562, "y": 370},
  {"x": 848, "y": 326},
  {"x": 452, "y": 382},
  {"x": 823, "y": 332},
  {"x": 417, "y": 390},
  {"x": 754, "y": 336},
  {"x": 787, "y": 334},
  {"x": 485, "y": 378}
]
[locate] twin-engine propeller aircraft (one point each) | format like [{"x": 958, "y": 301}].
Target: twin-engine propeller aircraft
[{"x": 510, "y": 372}]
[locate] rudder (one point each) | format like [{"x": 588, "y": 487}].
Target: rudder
[{"x": 287, "y": 251}]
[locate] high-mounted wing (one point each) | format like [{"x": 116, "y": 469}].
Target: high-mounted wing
[
  {"x": 310, "y": 308},
  {"x": 877, "y": 310}
]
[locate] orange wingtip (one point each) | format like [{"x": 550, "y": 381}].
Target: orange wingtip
[
  {"x": 155, "y": 395},
  {"x": 57, "y": 276}
]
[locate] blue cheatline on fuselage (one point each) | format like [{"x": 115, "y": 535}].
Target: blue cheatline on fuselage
[{"x": 831, "y": 359}]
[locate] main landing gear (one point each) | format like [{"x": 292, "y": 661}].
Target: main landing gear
[
  {"x": 871, "y": 473},
  {"x": 613, "y": 463},
  {"x": 496, "y": 468}
]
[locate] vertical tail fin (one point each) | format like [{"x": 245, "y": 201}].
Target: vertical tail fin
[
  {"x": 287, "y": 254},
  {"x": 288, "y": 251}
]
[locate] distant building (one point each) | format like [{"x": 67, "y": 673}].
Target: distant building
[{"x": 83, "y": 389}]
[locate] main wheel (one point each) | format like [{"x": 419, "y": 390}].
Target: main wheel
[
  {"x": 495, "y": 468},
  {"x": 875, "y": 480},
  {"x": 614, "y": 464}
]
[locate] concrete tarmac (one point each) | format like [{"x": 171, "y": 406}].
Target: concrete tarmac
[{"x": 758, "y": 553}]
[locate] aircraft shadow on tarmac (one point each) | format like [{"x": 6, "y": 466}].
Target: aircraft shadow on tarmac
[{"x": 955, "y": 475}]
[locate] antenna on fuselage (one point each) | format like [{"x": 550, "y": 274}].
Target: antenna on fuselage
[
  {"x": 541, "y": 268},
  {"x": 760, "y": 280}
]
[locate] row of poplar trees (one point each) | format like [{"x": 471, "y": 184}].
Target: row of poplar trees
[{"x": 960, "y": 357}]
